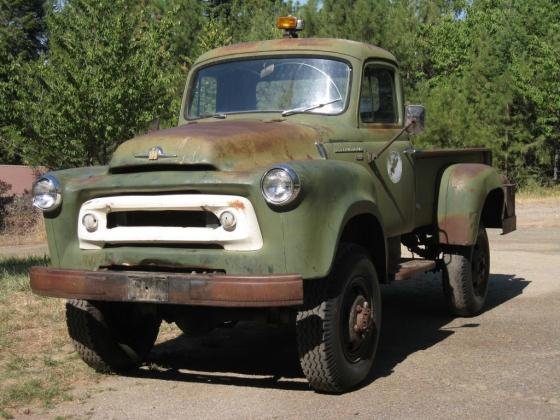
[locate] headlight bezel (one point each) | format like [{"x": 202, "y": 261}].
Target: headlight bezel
[
  {"x": 54, "y": 190},
  {"x": 296, "y": 186}
]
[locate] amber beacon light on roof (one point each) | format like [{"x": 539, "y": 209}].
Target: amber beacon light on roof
[{"x": 291, "y": 25}]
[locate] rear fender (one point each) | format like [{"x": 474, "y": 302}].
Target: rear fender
[{"x": 469, "y": 192}]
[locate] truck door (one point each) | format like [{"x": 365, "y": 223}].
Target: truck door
[{"x": 380, "y": 119}]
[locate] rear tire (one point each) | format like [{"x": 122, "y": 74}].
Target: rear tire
[
  {"x": 465, "y": 277},
  {"x": 110, "y": 336},
  {"x": 337, "y": 331}
]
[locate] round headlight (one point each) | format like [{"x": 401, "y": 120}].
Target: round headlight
[
  {"x": 46, "y": 193},
  {"x": 280, "y": 185}
]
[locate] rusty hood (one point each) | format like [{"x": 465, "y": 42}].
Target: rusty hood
[{"x": 236, "y": 145}]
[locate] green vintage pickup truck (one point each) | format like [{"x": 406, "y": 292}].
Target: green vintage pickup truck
[{"x": 285, "y": 193}]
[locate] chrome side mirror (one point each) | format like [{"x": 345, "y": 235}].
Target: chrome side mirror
[{"x": 415, "y": 116}]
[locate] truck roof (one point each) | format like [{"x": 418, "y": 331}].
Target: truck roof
[{"x": 359, "y": 50}]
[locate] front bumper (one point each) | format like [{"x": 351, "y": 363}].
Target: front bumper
[{"x": 219, "y": 290}]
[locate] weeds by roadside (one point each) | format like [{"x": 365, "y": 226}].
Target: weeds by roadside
[
  {"x": 38, "y": 365},
  {"x": 20, "y": 222},
  {"x": 538, "y": 192},
  {"x": 13, "y": 274}
]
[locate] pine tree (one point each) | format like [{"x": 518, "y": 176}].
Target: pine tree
[
  {"x": 22, "y": 29},
  {"x": 22, "y": 39}
]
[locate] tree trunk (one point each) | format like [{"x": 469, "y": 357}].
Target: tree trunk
[{"x": 556, "y": 174}]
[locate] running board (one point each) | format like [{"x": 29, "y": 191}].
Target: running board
[{"x": 411, "y": 267}]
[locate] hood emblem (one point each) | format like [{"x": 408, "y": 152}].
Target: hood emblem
[{"x": 154, "y": 154}]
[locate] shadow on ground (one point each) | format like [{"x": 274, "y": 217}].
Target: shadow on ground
[
  {"x": 414, "y": 319},
  {"x": 415, "y": 316},
  {"x": 21, "y": 265}
]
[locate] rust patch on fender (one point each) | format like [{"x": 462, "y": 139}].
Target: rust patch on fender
[
  {"x": 89, "y": 180},
  {"x": 464, "y": 173},
  {"x": 457, "y": 229}
]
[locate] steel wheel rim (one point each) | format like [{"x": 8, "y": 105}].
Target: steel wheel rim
[{"x": 357, "y": 344}]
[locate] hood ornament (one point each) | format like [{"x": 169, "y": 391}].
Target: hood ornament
[{"x": 154, "y": 154}]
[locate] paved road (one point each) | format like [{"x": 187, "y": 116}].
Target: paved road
[{"x": 504, "y": 363}]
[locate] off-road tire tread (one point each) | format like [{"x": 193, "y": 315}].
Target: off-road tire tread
[
  {"x": 317, "y": 361},
  {"x": 457, "y": 283},
  {"x": 95, "y": 344},
  {"x": 83, "y": 337}
]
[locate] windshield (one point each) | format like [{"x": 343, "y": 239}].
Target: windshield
[{"x": 289, "y": 85}]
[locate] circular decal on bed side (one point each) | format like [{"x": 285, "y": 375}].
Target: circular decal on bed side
[{"x": 394, "y": 166}]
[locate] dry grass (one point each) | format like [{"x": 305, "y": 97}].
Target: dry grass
[
  {"x": 34, "y": 235},
  {"x": 21, "y": 223},
  {"x": 536, "y": 193},
  {"x": 38, "y": 365}
]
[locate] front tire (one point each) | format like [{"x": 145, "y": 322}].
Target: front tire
[
  {"x": 111, "y": 336},
  {"x": 465, "y": 277},
  {"x": 338, "y": 329}
]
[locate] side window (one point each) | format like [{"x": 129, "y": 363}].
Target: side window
[{"x": 378, "y": 102}]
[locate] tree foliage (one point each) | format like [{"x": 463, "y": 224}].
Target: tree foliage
[
  {"x": 106, "y": 75},
  {"x": 487, "y": 70},
  {"x": 22, "y": 39},
  {"x": 492, "y": 84},
  {"x": 78, "y": 77}
]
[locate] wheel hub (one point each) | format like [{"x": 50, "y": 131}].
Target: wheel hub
[{"x": 361, "y": 320}]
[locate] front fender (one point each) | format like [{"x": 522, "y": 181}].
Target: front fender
[
  {"x": 333, "y": 193},
  {"x": 462, "y": 193}
]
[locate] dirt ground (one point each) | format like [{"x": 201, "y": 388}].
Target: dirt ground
[
  {"x": 23, "y": 250},
  {"x": 504, "y": 363}
]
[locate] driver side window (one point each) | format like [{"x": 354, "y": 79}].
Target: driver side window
[{"x": 378, "y": 102}]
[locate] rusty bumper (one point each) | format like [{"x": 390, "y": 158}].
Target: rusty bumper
[{"x": 169, "y": 288}]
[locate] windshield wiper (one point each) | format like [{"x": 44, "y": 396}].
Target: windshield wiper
[
  {"x": 308, "y": 108},
  {"x": 216, "y": 115}
]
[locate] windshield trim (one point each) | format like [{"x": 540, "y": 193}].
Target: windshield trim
[{"x": 264, "y": 57}]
